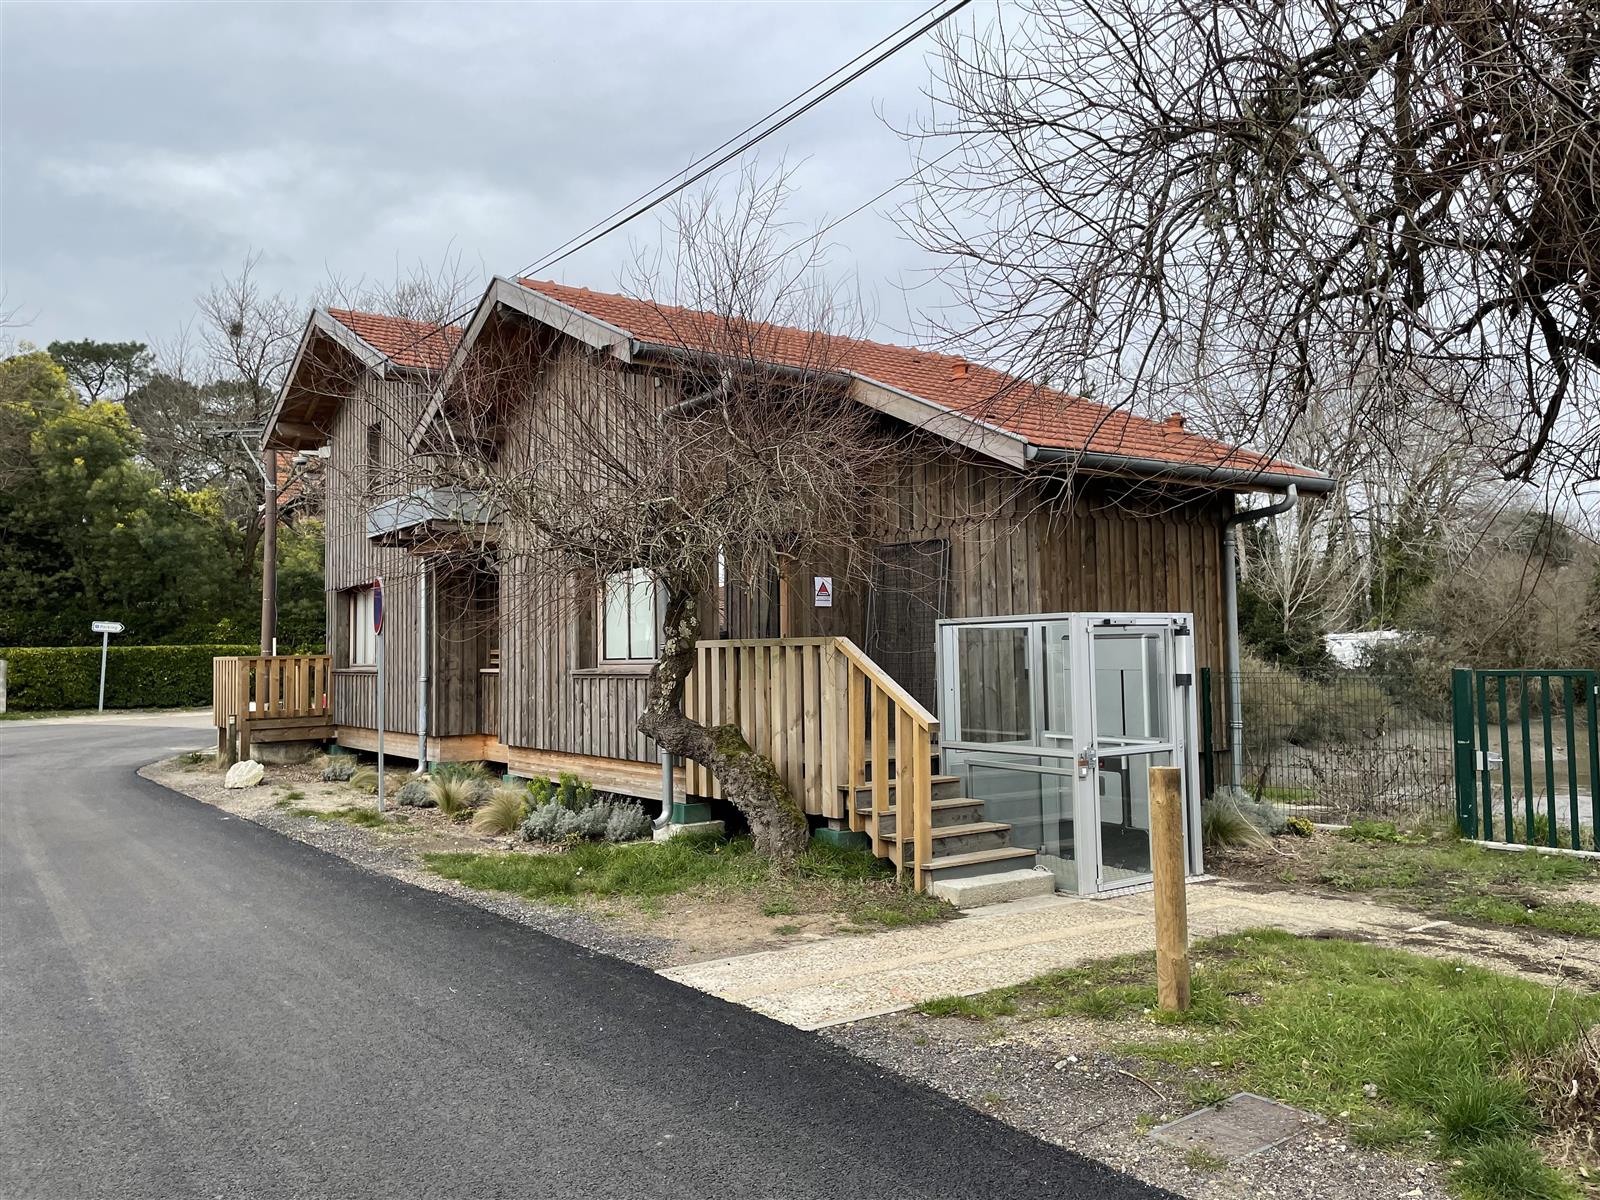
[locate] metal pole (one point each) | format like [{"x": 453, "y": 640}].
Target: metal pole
[
  {"x": 1230, "y": 609},
  {"x": 105, "y": 640},
  {"x": 269, "y": 551},
  {"x": 422, "y": 668},
  {"x": 380, "y": 715}
]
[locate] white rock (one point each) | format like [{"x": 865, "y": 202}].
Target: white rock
[{"x": 244, "y": 774}]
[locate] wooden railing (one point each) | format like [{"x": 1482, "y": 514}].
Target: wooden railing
[
  {"x": 832, "y": 721},
  {"x": 270, "y": 697}
]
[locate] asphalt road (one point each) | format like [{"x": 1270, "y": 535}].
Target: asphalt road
[{"x": 193, "y": 1006}]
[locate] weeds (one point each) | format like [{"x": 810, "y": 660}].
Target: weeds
[
  {"x": 351, "y": 814},
  {"x": 1397, "y": 1043},
  {"x": 826, "y": 878}
]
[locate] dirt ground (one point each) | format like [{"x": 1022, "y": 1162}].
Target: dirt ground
[{"x": 672, "y": 931}]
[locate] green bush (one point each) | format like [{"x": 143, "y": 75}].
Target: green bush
[{"x": 52, "y": 677}]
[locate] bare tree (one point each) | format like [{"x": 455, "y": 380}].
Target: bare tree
[
  {"x": 731, "y": 450},
  {"x": 1303, "y": 197}
]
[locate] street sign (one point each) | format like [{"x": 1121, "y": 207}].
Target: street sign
[
  {"x": 377, "y": 605},
  {"x": 822, "y": 590},
  {"x": 105, "y": 629}
]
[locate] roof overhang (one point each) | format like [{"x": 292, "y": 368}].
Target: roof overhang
[
  {"x": 1233, "y": 478},
  {"x": 294, "y": 423}
]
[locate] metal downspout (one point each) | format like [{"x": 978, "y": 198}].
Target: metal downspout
[
  {"x": 422, "y": 667},
  {"x": 1230, "y": 603}
]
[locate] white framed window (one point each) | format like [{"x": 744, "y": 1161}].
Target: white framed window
[
  {"x": 363, "y": 641},
  {"x": 628, "y": 618}
]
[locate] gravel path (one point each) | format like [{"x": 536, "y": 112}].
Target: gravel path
[{"x": 1051, "y": 1080}]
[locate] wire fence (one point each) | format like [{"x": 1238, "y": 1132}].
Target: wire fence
[{"x": 1349, "y": 746}]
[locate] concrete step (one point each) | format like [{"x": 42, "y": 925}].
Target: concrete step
[
  {"x": 979, "y": 862},
  {"x": 994, "y": 887},
  {"x": 968, "y": 838},
  {"x": 957, "y": 811},
  {"x": 945, "y": 787}
]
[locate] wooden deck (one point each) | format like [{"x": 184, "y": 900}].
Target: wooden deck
[{"x": 271, "y": 698}]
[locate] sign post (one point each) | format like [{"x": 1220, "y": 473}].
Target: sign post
[
  {"x": 377, "y": 629},
  {"x": 105, "y": 629}
]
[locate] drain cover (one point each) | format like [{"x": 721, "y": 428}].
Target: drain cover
[{"x": 1242, "y": 1125}]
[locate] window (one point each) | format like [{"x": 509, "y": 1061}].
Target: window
[
  {"x": 363, "y": 641},
  {"x": 374, "y": 456},
  {"x": 628, "y": 618}
]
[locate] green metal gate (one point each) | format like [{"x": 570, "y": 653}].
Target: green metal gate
[{"x": 1527, "y": 756}]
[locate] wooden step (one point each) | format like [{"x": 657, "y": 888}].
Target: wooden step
[
  {"x": 944, "y": 787},
  {"x": 979, "y": 862},
  {"x": 958, "y": 810},
  {"x": 968, "y": 838}
]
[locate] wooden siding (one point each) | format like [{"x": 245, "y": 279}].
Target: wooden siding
[{"x": 1017, "y": 544}]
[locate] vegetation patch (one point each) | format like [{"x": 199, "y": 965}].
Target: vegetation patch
[
  {"x": 1412, "y": 1052},
  {"x": 1433, "y": 872},
  {"x": 350, "y": 814},
  {"x": 827, "y": 878}
]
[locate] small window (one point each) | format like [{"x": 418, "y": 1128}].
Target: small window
[
  {"x": 363, "y": 641},
  {"x": 374, "y": 456},
  {"x": 628, "y": 618}
]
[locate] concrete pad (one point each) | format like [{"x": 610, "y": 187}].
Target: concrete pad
[
  {"x": 975, "y": 891},
  {"x": 1242, "y": 1125},
  {"x": 672, "y": 831}
]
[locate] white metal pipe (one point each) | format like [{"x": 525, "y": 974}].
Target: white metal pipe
[{"x": 423, "y": 657}]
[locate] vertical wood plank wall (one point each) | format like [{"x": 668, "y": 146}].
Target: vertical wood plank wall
[
  {"x": 1013, "y": 549},
  {"x": 351, "y": 560}
]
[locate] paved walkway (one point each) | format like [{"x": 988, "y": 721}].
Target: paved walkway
[{"x": 836, "y": 980}]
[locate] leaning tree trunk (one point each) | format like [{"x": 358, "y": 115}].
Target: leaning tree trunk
[{"x": 749, "y": 780}]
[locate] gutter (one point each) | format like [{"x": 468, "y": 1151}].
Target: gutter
[
  {"x": 1230, "y": 602},
  {"x": 1129, "y": 464}
]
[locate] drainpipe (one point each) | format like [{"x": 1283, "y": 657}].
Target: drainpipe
[
  {"x": 422, "y": 667},
  {"x": 665, "y": 818},
  {"x": 1230, "y": 603}
]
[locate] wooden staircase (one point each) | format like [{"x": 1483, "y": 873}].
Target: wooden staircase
[
  {"x": 963, "y": 843},
  {"x": 832, "y": 721}
]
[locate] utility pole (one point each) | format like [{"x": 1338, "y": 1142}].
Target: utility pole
[{"x": 269, "y": 551}]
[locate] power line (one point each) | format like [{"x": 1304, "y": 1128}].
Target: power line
[
  {"x": 567, "y": 249},
  {"x": 651, "y": 199}
]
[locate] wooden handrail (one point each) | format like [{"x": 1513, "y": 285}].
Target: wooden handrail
[
  {"x": 262, "y": 686},
  {"x": 825, "y": 714}
]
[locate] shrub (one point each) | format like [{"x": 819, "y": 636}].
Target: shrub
[
  {"x": 365, "y": 779},
  {"x": 1299, "y": 827},
  {"x": 1230, "y": 819},
  {"x": 569, "y": 792},
  {"x": 458, "y": 788},
  {"x": 627, "y": 823},
  {"x": 554, "y": 822},
  {"x": 503, "y": 812},
  {"x": 415, "y": 792},
  {"x": 48, "y": 677},
  {"x": 337, "y": 768}
]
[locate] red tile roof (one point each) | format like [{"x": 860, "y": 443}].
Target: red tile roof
[
  {"x": 1041, "y": 416},
  {"x": 408, "y": 343}
]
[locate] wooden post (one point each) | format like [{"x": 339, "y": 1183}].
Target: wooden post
[{"x": 1167, "y": 864}]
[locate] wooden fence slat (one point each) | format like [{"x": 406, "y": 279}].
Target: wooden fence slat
[
  {"x": 811, "y": 730},
  {"x": 880, "y": 766},
  {"x": 856, "y": 751}
]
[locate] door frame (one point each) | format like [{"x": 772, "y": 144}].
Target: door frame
[{"x": 1182, "y": 743}]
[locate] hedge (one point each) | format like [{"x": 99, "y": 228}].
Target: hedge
[{"x": 51, "y": 677}]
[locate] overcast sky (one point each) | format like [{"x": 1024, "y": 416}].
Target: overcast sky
[{"x": 149, "y": 148}]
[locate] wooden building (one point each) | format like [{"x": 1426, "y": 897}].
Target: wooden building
[{"x": 1019, "y": 501}]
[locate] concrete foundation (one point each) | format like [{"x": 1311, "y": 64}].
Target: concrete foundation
[
  {"x": 843, "y": 838},
  {"x": 995, "y": 888},
  {"x": 674, "y": 829},
  {"x": 284, "y": 752}
]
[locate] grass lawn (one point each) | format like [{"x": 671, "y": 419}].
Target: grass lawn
[
  {"x": 1413, "y": 1053},
  {"x": 828, "y": 879},
  {"x": 1435, "y": 873}
]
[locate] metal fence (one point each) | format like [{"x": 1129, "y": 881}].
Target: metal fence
[{"x": 1343, "y": 746}]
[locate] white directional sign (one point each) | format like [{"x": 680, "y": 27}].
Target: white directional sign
[{"x": 107, "y": 626}]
